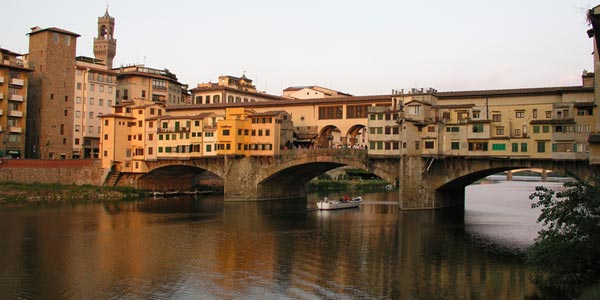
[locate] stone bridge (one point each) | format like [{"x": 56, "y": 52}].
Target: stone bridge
[{"x": 423, "y": 182}]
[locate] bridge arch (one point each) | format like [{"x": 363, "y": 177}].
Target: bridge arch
[
  {"x": 443, "y": 180},
  {"x": 293, "y": 174},
  {"x": 178, "y": 174}
]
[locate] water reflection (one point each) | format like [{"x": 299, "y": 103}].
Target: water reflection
[{"x": 186, "y": 248}]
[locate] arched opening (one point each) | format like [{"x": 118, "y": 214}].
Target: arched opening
[
  {"x": 330, "y": 137},
  {"x": 180, "y": 177},
  {"x": 293, "y": 181},
  {"x": 357, "y": 137}
]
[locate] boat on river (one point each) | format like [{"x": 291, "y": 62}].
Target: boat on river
[
  {"x": 326, "y": 204},
  {"x": 164, "y": 194}
]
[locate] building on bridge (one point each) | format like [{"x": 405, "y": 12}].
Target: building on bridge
[
  {"x": 139, "y": 132},
  {"x": 521, "y": 123},
  {"x": 245, "y": 132}
]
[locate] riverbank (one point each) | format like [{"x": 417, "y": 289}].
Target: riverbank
[
  {"x": 22, "y": 193},
  {"x": 341, "y": 185}
]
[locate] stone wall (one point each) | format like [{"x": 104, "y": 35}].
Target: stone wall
[{"x": 78, "y": 172}]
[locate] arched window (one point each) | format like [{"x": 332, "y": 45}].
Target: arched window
[
  {"x": 229, "y": 99},
  {"x": 207, "y": 99},
  {"x": 216, "y": 99},
  {"x": 198, "y": 100}
]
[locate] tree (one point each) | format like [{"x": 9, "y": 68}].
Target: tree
[{"x": 567, "y": 250}]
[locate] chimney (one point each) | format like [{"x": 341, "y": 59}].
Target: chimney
[{"x": 587, "y": 79}]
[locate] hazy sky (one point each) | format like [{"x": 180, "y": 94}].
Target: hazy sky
[{"x": 358, "y": 47}]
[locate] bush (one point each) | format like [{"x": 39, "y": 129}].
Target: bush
[{"x": 566, "y": 252}]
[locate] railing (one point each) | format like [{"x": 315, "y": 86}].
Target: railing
[
  {"x": 15, "y": 113},
  {"x": 15, "y": 81},
  {"x": 15, "y": 129},
  {"x": 172, "y": 129},
  {"x": 15, "y": 97}
]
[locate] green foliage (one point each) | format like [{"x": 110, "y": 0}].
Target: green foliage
[
  {"x": 330, "y": 185},
  {"x": 567, "y": 251},
  {"x": 360, "y": 174},
  {"x": 324, "y": 176},
  {"x": 21, "y": 193}
]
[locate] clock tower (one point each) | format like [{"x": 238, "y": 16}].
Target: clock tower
[{"x": 105, "y": 44}]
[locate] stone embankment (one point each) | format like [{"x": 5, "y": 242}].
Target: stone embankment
[
  {"x": 72, "y": 171},
  {"x": 49, "y": 181}
]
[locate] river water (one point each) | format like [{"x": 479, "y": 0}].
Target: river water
[{"x": 203, "y": 248}]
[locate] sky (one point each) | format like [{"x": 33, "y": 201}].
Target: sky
[{"x": 357, "y": 47}]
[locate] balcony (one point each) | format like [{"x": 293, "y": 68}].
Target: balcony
[
  {"x": 0, "y": 128},
  {"x": 521, "y": 136},
  {"x": 563, "y": 136},
  {"x": 1, "y": 96},
  {"x": 1, "y": 79},
  {"x": 174, "y": 129},
  {"x": 1, "y": 112},
  {"x": 15, "y": 97},
  {"x": 15, "y": 129},
  {"x": 15, "y": 113},
  {"x": 18, "y": 82}
]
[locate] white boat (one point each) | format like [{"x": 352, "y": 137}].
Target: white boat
[{"x": 326, "y": 204}]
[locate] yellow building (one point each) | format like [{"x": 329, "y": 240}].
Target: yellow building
[
  {"x": 270, "y": 133},
  {"x": 229, "y": 141},
  {"x": 185, "y": 137},
  {"x": 14, "y": 73},
  {"x": 245, "y": 132}
]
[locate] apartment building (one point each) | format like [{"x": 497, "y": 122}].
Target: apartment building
[
  {"x": 244, "y": 132},
  {"x": 312, "y": 92},
  {"x": 14, "y": 73},
  {"x": 126, "y": 132},
  {"x": 229, "y": 89},
  {"x": 141, "y": 82},
  {"x": 95, "y": 92},
  {"x": 184, "y": 137}
]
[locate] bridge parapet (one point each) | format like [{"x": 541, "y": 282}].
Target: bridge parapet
[{"x": 291, "y": 154}]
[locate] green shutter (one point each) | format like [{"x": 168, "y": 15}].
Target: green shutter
[{"x": 523, "y": 147}]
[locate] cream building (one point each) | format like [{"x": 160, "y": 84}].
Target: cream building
[
  {"x": 95, "y": 90},
  {"x": 228, "y": 89},
  {"x": 551, "y": 123},
  {"x": 140, "y": 82},
  {"x": 311, "y": 92}
]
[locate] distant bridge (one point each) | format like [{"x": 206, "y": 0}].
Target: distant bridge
[{"x": 423, "y": 182}]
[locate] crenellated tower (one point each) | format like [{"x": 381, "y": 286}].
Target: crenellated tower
[{"x": 105, "y": 44}]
